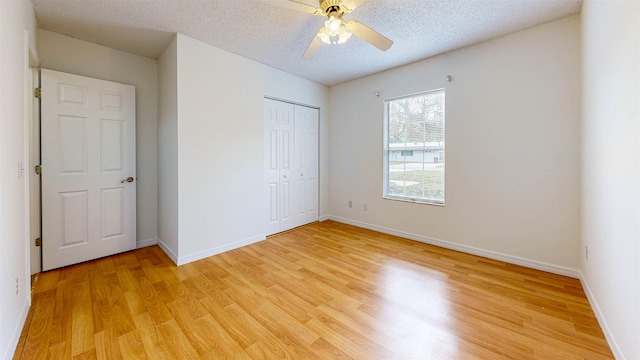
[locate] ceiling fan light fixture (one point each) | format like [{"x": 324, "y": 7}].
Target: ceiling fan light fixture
[
  {"x": 333, "y": 25},
  {"x": 334, "y": 31},
  {"x": 324, "y": 36},
  {"x": 343, "y": 36}
]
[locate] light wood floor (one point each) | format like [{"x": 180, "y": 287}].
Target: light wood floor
[{"x": 323, "y": 291}]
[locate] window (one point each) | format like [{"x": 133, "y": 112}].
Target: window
[{"x": 414, "y": 148}]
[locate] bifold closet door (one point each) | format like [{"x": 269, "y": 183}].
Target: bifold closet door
[
  {"x": 278, "y": 165},
  {"x": 306, "y": 164},
  {"x": 291, "y": 165}
]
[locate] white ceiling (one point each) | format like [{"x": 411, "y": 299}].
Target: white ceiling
[{"x": 278, "y": 36}]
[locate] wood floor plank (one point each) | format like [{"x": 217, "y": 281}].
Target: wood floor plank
[
  {"x": 120, "y": 319},
  {"x": 154, "y": 305},
  {"x": 347, "y": 341},
  {"x": 61, "y": 350},
  {"x": 153, "y": 344},
  {"x": 185, "y": 320},
  {"x": 272, "y": 318},
  {"x": 89, "y": 355},
  {"x": 218, "y": 341},
  {"x": 179, "y": 345},
  {"x": 230, "y": 318},
  {"x": 292, "y": 304},
  {"x": 107, "y": 346},
  {"x": 61, "y": 321},
  {"x": 131, "y": 346},
  {"x": 268, "y": 348},
  {"x": 82, "y": 320},
  {"x": 36, "y": 345},
  {"x": 327, "y": 350},
  {"x": 322, "y": 291}
]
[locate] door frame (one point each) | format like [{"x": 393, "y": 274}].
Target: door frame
[
  {"x": 31, "y": 145},
  {"x": 34, "y": 184}
]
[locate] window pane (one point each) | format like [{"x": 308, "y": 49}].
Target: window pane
[
  {"x": 417, "y": 120},
  {"x": 420, "y": 176},
  {"x": 415, "y": 153}
]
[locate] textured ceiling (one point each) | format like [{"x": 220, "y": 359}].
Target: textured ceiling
[{"x": 278, "y": 36}]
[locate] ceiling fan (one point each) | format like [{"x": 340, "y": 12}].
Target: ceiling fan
[{"x": 336, "y": 30}]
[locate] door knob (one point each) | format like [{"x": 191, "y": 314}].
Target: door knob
[{"x": 129, "y": 179}]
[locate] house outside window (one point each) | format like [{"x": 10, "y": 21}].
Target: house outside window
[{"x": 414, "y": 148}]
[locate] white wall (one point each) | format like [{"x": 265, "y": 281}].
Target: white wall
[
  {"x": 63, "y": 53},
  {"x": 512, "y": 149},
  {"x": 168, "y": 150},
  {"x": 16, "y": 16},
  {"x": 220, "y": 145},
  {"x": 610, "y": 169}
]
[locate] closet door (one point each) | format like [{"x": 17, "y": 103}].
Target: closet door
[
  {"x": 279, "y": 157},
  {"x": 291, "y": 165},
  {"x": 306, "y": 164}
]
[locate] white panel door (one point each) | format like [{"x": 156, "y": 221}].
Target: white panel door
[
  {"x": 272, "y": 168},
  {"x": 291, "y": 165},
  {"x": 279, "y": 157},
  {"x": 88, "y": 168},
  {"x": 288, "y": 193},
  {"x": 306, "y": 164}
]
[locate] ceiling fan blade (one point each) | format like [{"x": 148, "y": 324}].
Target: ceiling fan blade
[
  {"x": 369, "y": 35},
  {"x": 312, "y": 48},
  {"x": 352, "y": 4},
  {"x": 294, "y": 5}
]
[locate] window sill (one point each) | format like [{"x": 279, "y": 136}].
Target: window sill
[{"x": 413, "y": 200}]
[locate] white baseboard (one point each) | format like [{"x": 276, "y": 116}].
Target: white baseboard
[
  {"x": 168, "y": 251},
  {"x": 218, "y": 250},
  {"x": 15, "y": 337},
  {"x": 147, "y": 242},
  {"x": 615, "y": 349},
  {"x": 534, "y": 264},
  {"x": 324, "y": 218}
]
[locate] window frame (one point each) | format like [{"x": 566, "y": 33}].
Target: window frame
[{"x": 386, "y": 153}]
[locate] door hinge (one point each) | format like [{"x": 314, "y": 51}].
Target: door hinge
[
  {"x": 38, "y": 242},
  {"x": 38, "y": 93},
  {"x": 38, "y": 169}
]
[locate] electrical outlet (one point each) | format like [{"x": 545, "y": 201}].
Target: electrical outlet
[
  {"x": 586, "y": 252},
  {"x": 17, "y": 286},
  {"x": 350, "y": 204},
  {"x": 365, "y": 207}
]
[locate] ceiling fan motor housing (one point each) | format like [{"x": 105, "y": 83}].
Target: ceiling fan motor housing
[{"x": 332, "y": 6}]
